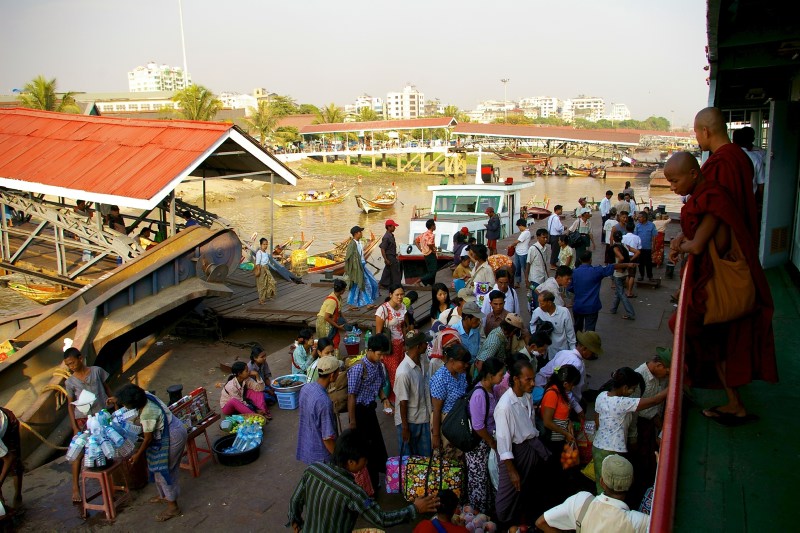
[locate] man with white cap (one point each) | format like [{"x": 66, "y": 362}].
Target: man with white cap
[
  {"x": 317, "y": 427},
  {"x": 10, "y": 455},
  {"x": 606, "y": 512},
  {"x": 470, "y": 327}
]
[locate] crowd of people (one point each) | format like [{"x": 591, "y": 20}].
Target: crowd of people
[{"x": 524, "y": 384}]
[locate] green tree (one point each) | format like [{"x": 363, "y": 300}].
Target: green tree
[
  {"x": 197, "y": 103},
  {"x": 329, "y": 114},
  {"x": 550, "y": 121},
  {"x": 308, "y": 109},
  {"x": 262, "y": 121},
  {"x": 366, "y": 114},
  {"x": 283, "y": 105},
  {"x": 286, "y": 134},
  {"x": 451, "y": 111},
  {"x": 513, "y": 119},
  {"x": 40, "y": 93}
]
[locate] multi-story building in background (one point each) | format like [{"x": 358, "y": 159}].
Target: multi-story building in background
[
  {"x": 590, "y": 108},
  {"x": 433, "y": 107},
  {"x": 618, "y": 112},
  {"x": 153, "y": 77},
  {"x": 410, "y": 103},
  {"x": 547, "y": 106},
  {"x": 238, "y": 101}
]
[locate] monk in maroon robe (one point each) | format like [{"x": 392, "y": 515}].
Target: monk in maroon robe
[
  {"x": 728, "y": 165},
  {"x": 734, "y": 353}
]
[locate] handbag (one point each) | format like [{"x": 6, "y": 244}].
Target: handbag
[
  {"x": 731, "y": 292},
  {"x": 428, "y": 475},
  {"x": 362, "y": 480},
  {"x": 457, "y": 427},
  {"x": 512, "y": 250},
  {"x": 574, "y": 239},
  {"x": 543, "y": 326},
  {"x": 396, "y": 468}
]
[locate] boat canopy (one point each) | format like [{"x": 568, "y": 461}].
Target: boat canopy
[{"x": 465, "y": 203}]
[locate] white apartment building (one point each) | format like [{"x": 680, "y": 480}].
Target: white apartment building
[
  {"x": 618, "y": 112},
  {"x": 130, "y": 103},
  {"x": 238, "y": 101},
  {"x": 370, "y": 102},
  {"x": 547, "y": 106},
  {"x": 153, "y": 77},
  {"x": 588, "y": 107},
  {"x": 405, "y": 105}
]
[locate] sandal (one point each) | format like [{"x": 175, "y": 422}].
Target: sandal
[
  {"x": 166, "y": 515},
  {"x": 156, "y": 499},
  {"x": 628, "y": 317}
]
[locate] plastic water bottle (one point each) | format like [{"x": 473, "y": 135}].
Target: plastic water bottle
[
  {"x": 108, "y": 449},
  {"x": 114, "y": 436},
  {"x": 76, "y": 446},
  {"x": 367, "y": 336}
]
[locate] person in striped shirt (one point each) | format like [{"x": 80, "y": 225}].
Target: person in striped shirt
[{"x": 332, "y": 500}]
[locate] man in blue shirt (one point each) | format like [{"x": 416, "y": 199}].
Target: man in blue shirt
[
  {"x": 586, "y": 281},
  {"x": 647, "y": 232},
  {"x": 317, "y": 432},
  {"x": 470, "y": 328}
]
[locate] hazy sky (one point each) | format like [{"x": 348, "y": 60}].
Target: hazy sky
[{"x": 647, "y": 54}]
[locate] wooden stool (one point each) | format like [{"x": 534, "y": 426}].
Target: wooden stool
[
  {"x": 108, "y": 489},
  {"x": 193, "y": 452}
]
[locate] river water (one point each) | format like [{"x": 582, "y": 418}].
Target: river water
[
  {"x": 250, "y": 211},
  {"x": 330, "y": 224}
]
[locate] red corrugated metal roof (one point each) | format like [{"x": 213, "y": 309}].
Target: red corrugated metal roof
[
  {"x": 108, "y": 159},
  {"x": 548, "y": 132},
  {"x": 379, "y": 125}
]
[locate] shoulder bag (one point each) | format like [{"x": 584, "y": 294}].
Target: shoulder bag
[
  {"x": 731, "y": 292},
  {"x": 457, "y": 427}
]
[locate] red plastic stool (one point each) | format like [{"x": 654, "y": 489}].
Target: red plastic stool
[
  {"x": 108, "y": 489},
  {"x": 195, "y": 455}
]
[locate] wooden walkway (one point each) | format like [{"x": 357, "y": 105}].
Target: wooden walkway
[{"x": 297, "y": 305}]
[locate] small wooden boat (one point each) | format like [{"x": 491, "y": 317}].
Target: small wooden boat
[
  {"x": 629, "y": 171},
  {"x": 313, "y": 198},
  {"x": 333, "y": 260},
  {"x": 43, "y": 294},
  {"x": 523, "y": 157},
  {"x": 280, "y": 252},
  {"x": 528, "y": 170},
  {"x": 536, "y": 210},
  {"x": 657, "y": 179},
  {"x": 576, "y": 173},
  {"x": 383, "y": 200}
]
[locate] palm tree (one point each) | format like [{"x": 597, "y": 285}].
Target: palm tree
[
  {"x": 197, "y": 103},
  {"x": 366, "y": 114},
  {"x": 329, "y": 114},
  {"x": 262, "y": 121},
  {"x": 40, "y": 93},
  {"x": 451, "y": 111}
]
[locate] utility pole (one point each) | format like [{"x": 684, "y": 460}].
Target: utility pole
[
  {"x": 505, "y": 81},
  {"x": 183, "y": 45}
]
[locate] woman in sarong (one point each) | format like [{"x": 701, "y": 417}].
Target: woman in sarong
[
  {"x": 728, "y": 354},
  {"x": 264, "y": 280},
  {"x": 164, "y": 439},
  {"x": 363, "y": 285}
]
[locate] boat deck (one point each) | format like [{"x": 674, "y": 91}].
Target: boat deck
[
  {"x": 297, "y": 305},
  {"x": 742, "y": 479}
]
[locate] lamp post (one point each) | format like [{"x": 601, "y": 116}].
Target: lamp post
[
  {"x": 505, "y": 81},
  {"x": 183, "y": 46}
]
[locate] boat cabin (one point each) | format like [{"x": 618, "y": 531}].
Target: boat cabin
[{"x": 457, "y": 206}]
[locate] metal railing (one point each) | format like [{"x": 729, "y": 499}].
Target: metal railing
[{"x": 663, "y": 509}]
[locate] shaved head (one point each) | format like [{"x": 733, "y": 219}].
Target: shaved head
[
  {"x": 682, "y": 171},
  {"x": 681, "y": 162},
  {"x": 710, "y": 129}
]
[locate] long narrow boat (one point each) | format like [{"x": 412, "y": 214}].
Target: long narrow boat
[
  {"x": 383, "y": 200},
  {"x": 575, "y": 173},
  {"x": 333, "y": 260},
  {"x": 305, "y": 199},
  {"x": 43, "y": 294},
  {"x": 522, "y": 157}
]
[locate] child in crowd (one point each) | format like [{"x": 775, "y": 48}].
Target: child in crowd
[
  {"x": 462, "y": 271},
  {"x": 566, "y": 254},
  {"x": 611, "y": 409},
  {"x": 83, "y": 378},
  {"x": 258, "y": 364},
  {"x": 243, "y": 393},
  {"x": 324, "y": 349},
  {"x": 302, "y": 355},
  {"x": 441, "y": 523},
  {"x": 409, "y": 301}
]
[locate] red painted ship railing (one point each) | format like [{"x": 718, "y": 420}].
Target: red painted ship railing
[{"x": 663, "y": 509}]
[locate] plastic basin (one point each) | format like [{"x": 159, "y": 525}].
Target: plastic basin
[{"x": 233, "y": 459}]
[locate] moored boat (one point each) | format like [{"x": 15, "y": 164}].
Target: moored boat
[
  {"x": 43, "y": 294},
  {"x": 314, "y": 198},
  {"x": 381, "y": 202},
  {"x": 657, "y": 179},
  {"x": 333, "y": 260},
  {"x": 629, "y": 171},
  {"x": 522, "y": 157}
]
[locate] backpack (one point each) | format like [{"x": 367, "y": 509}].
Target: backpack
[
  {"x": 337, "y": 391},
  {"x": 457, "y": 427}
]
